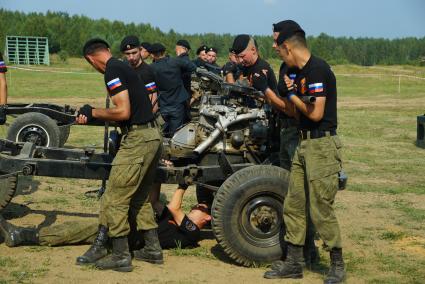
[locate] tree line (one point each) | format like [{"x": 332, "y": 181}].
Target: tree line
[{"x": 68, "y": 33}]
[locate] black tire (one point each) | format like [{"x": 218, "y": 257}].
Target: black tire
[
  {"x": 8, "y": 187},
  {"x": 64, "y": 131},
  {"x": 35, "y": 127},
  {"x": 248, "y": 214}
]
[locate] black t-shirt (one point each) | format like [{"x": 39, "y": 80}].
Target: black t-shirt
[
  {"x": 171, "y": 235},
  {"x": 259, "y": 68},
  {"x": 3, "y": 68},
  {"x": 145, "y": 73},
  {"x": 120, "y": 77},
  {"x": 317, "y": 79}
]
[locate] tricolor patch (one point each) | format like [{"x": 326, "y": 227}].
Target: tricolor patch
[
  {"x": 315, "y": 88},
  {"x": 113, "y": 84},
  {"x": 151, "y": 87},
  {"x": 292, "y": 76},
  {"x": 2, "y": 64}
]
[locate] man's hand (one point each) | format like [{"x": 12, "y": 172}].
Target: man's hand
[
  {"x": 259, "y": 81},
  {"x": 290, "y": 87},
  {"x": 84, "y": 115}
]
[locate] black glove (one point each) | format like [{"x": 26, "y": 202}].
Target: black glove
[
  {"x": 229, "y": 67},
  {"x": 87, "y": 111},
  {"x": 259, "y": 81},
  {"x": 183, "y": 186}
]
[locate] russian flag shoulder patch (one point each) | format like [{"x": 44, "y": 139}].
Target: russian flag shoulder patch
[
  {"x": 315, "y": 88},
  {"x": 114, "y": 83}
]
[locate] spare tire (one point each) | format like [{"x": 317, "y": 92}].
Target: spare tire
[
  {"x": 247, "y": 214},
  {"x": 8, "y": 187},
  {"x": 36, "y": 128}
]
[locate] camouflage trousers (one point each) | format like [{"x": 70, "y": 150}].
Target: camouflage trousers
[
  {"x": 126, "y": 198},
  {"x": 69, "y": 233},
  {"x": 313, "y": 184}
]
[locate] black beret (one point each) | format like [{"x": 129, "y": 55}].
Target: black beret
[
  {"x": 93, "y": 41},
  {"x": 146, "y": 45},
  {"x": 156, "y": 47},
  {"x": 184, "y": 43},
  {"x": 287, "y": 29},
  {"x": 201, "y": 48},
  {"x": 212, "y": 49},
  {"x": 240, "y": 43},
  {"x": 129, "y": 42}
]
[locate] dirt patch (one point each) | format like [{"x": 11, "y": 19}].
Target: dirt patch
[{"x": 364, "y": 219}]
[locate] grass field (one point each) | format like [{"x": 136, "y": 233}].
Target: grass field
[{"x": 382, "y": 213}]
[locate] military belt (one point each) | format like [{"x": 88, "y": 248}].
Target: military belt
[
  {"x": 125, "y": 129},
  {"x": 315, "y": 133}
]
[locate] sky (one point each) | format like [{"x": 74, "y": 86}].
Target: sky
[{"x": 351, "y": 18}]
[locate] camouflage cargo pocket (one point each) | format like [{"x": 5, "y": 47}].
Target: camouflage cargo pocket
[{"x": 126, "y": 174}]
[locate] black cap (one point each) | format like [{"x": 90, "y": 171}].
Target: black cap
[
  {"x": 184, "y": 43},
  {"x": 212, "y": 49},
  {"x": 146, "y": 45},
  {"x": 201, "y": 48},
  {"x": 129, "y": 42},
  {"x": 156, "y": 48},
  {"x": 240, "y": 43},
  {"x": 287, "y": 29},
  {"x": 92, "y": 42}
]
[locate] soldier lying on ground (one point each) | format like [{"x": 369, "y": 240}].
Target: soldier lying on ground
[{"x": 175, "y": 229}]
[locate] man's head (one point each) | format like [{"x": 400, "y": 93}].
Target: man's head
[
  {"x": 130, "y": 47},
  {"x": 144, "y": 47},
  {"x": 199, "y": 215},
  {"x": 245, "y": 49},
  {"x": 202, "y": 52},
  {"x": 211, "y": 55},
  {"x": 291, "y": 43},
  {"x": 157, "y": 51},
  {"x": 182, "y": 46},
  {"x": 232, "y": 56},
  {"x": 96, "y": 51}
]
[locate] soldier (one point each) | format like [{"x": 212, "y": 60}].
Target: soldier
[
  {"x": 173, "y": 96},
  {"x": 182, "y": 51},
  {"x": 126, "y": 198},
  {"x": 144, "y": 47},
  {"x": 174, "y": 229},
  {"x": 201, "y": 52},
  {"x": 314, "y": 174},
  {"x": 132, "y": 50},
  {"x": 232, "y": 70},
  {"x": 3, "y": 84}
]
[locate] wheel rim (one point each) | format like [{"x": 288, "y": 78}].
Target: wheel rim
[
  {"x": 261, "y": 220},
  {"x": 35, "y": 134}
]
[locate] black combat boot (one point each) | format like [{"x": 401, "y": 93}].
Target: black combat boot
[
  {"x": 97, "y": 250},
  {"x": 336, "y": 273},
  {"x": 152, "y": 251},
  {"x": 291, "y": 267},
  {"x": 15, "y": 236},
  {"x": 120, "y": 259}
]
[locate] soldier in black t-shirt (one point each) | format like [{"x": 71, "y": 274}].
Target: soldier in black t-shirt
[
  {"x": 317, "y": 159},
  {"x": 131, "y": 49},
  {"x": 254, "y": 69},
  {"x": 175, "y": 229},
  {"x": 232, "y": 70},
  {"x": 133, "y": 169},
  {"x": 3, "y": 85}
]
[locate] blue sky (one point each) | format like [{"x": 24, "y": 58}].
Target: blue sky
[{"x": 356, "y": 18}]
